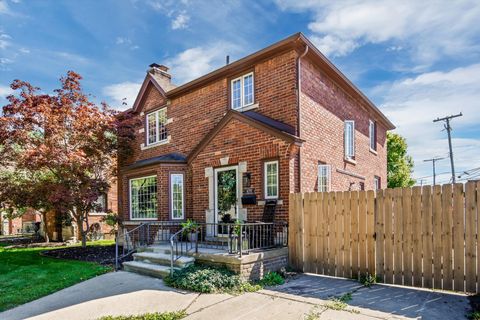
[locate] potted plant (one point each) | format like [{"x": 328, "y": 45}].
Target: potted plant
[
  {"x": 235, "y": 237},
  {"x": 190, "y": 229}
]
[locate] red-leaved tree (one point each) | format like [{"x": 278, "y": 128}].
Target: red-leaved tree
[{"x": 70, "y": 139}]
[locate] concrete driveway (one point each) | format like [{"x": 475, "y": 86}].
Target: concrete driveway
[{"x": 124, "y": 293}]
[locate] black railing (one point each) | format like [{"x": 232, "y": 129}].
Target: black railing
[{"x": 232, "y": 238}]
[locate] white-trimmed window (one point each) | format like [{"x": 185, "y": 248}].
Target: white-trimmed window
[
  {"x": 377, "y": 183},
  {"x": 143, "y": 198},
  {"x": 177, "y": 203},
  {"x": 271, "y": 179},
  {"x": 100, "y": 205},
  {"x": 242, "y": 89},
  {"x": 349, "y": 138},
  {"x": 324, "y": 177},
  {"x": 372, "y": 132},
  {"x": 156, "y": 126}
]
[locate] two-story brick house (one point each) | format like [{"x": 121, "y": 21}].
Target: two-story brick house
[{"x": 281, "y": 120}]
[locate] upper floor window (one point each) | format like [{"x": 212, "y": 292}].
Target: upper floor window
[
  {"x": 100, "y": 205},
  {"x": 143, "y": 198},
  {"x": 242, "y": 91},
  {"x": 324, "y": 173},
  {"x": 156, "y": 126},
  {"x": 377, "y": 185},
  {"x": 271, "y": 180},
  {"x": 372, "y": 131},
  {"x": 349, "y": 138}
]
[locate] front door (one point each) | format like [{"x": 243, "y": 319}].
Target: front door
[{"x": 226, "y": 196}]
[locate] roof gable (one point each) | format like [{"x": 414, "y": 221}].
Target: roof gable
[
  {"x": 149, "y": 80},
  {"x": 261, "y": 125}
]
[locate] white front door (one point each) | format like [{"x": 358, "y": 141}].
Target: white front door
[{"x": 226, "y": 194}]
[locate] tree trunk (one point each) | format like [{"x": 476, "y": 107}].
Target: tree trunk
[{"x": 43, "y": 219}]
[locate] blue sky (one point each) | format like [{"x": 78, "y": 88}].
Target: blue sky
[{"x": 417, "y": 60}]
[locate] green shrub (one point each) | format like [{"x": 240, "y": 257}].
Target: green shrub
[
  {"x": 272, "y": 279},
  {"x": 176, "y": 315},
  {"x": 206, "y": 279}
]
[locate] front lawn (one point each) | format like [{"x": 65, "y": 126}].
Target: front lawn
[{"x": 25, "y": 275}]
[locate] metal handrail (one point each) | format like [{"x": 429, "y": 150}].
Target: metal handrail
[{"x": 174, "y": 241}]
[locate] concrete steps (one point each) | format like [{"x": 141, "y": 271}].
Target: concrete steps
[
  {"x": 154, "y": 261},
  {"x": 162, "y": 259},
  {"x": 148, "y": 269}
]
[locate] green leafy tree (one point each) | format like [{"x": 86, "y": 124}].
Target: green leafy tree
[{"x": 399, "y": 163}]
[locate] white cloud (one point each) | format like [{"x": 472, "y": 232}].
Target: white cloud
[
  {"x": 413, "y": 103},
  {"x": 5, "y": 91},
  {"x": 181, "y": 21},
  {"x": 428, "y": 29},
  {"x": 195, "y": 62},
  {"x": 123, "y": 40},
  {"x": 4, "y": 7},
  {"x": 4, "y": 40},
  {"x": 119, "y": 91}
]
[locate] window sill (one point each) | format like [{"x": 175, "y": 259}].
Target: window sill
[
  {"x": 247, "y": 108},
  {"x": 153, "y": 145},
  {"x": 373, "y": 151},
  {"x": 262, "y": 202},
  {"x": 97, "y": 214},
  {"x": 349, "y": 160}
]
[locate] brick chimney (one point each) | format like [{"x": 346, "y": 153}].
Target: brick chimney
[{"x": 161, "y": 75}]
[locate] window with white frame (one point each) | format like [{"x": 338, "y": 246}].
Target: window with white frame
[
  {"x": 177, "y": 196},
  {"x": 242, "y": 89},
  {"x": 349, "y": 138},
  {"x": 372, "y": 130},
  {"x": 156, "y": 126},
  {"x": 100, "y": 205},
  {"x": 324, "y": 173},
  {"x": 143, "y": 198},
  {"x": 377, "y": 183},
  {"x": 271, "y": 179}
]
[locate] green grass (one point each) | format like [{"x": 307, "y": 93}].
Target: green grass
[{"x": 25, "y": 275}]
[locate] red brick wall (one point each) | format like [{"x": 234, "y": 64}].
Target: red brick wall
[
  {"x": 324, "y": 108},
  {"x": 241, "y": 142}
]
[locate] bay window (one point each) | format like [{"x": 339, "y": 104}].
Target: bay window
[{"x": 143, "y": 198}]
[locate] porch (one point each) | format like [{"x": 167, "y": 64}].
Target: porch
[{"x": 158, "y": 248}]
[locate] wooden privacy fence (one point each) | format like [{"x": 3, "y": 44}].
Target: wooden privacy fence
[{"x": 421, "y": 236}]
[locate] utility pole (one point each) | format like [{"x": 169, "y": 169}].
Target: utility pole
[
  {"x": 433, "y": 160},
  {"x": 449, "y": 129}
]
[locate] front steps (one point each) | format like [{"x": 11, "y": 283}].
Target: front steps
[{"x": 155, "y": 261}]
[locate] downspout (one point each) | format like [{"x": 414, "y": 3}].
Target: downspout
[{"x": 299, "y": 118}]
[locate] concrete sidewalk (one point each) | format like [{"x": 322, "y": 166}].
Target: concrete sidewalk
[{"x": 124, "y": 293}]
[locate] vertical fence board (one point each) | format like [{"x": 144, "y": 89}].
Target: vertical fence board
[
  {"x": 398, "y": 233},
  {"x": 477, "y": 198},
  {"x": 307, "y": 217},
  {"x": 458, "y": 237},
  {"x": 362, "y": 232},
  {"x": 388, "y": 237},
  {"x": 332, "y": 232},
  {"x": 319, "y": 247},
  {"x": 291, "y": 232},
  {"x": 379, "y": 234},
  {"x": 300, "y": 232},
  {"x": 354, "y": 215},
  {"x": 417, "y": 235},
  {"x": 346, "y": 234},
  {"x": 339, "y": 237},
  {"x": 470, "y": 225},
  {"x": 447, "y": 224},
  {"x": 371, "y": 231},
  {"x": 437, "y": 236},
  {"x": 407, "y": 236},
  {"x": 427, "y": 236}
]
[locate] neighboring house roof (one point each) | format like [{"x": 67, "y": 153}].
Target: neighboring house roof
[
  {"x": 166, "y": 158},
  {"x": 266, "y": 124}
]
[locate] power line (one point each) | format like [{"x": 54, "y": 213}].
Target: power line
[
  {"x": 433, "y": 160},
  {"x": 449, "y": 129}
]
